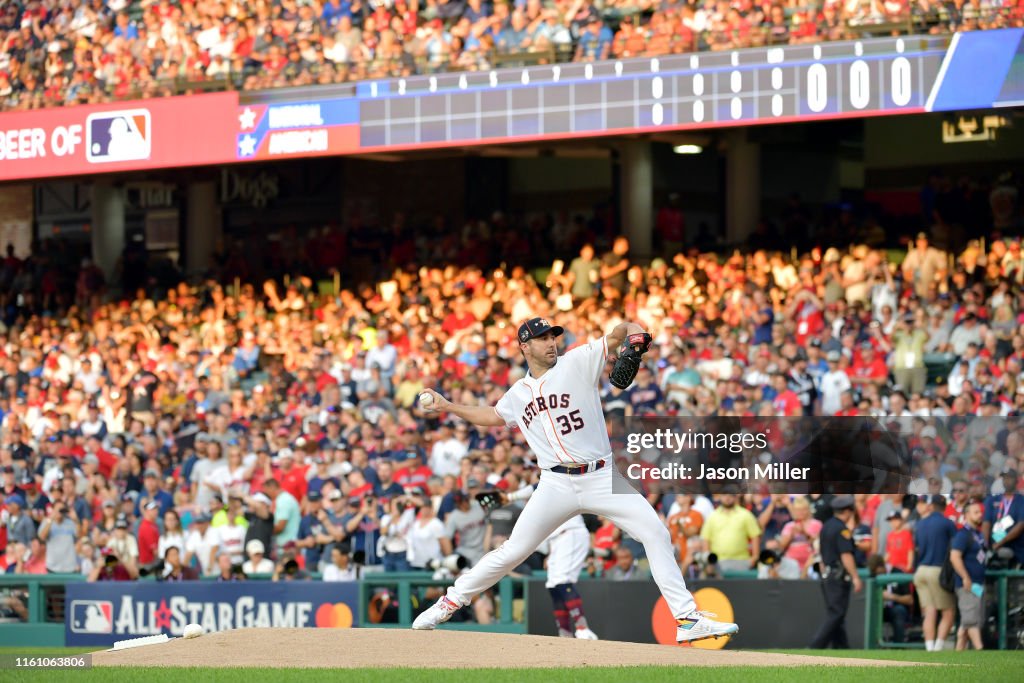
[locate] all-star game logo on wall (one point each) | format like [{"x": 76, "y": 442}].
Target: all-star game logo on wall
[{"x": 92, "y": 616}]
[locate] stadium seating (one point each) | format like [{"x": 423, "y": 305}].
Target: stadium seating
[{"x": 86, "y": 51}]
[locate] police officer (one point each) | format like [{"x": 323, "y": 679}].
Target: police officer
[{"x": 839, "y": 572}]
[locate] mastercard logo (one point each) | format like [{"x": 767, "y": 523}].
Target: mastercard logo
[
  {"x": 337, "y": 615},
  {"x": 708, "y": 600}
]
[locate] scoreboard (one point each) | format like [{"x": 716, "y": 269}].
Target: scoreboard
[
  {"x": 682, "y": 91},
  {"x": 859, "y": 78}
]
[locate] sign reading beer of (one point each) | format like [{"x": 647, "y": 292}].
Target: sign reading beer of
[{"x": 122, "y": 136}]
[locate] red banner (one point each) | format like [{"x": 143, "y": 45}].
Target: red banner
[{"x": 122, "y": 136}]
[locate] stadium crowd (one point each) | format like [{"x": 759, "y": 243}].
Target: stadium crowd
[
  {"x": 204, "y": 430},
  {"x": 66, "y": 52}
]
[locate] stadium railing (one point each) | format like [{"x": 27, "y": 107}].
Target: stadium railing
[
  {"x": 1000, "y": 581},
  {"x": 407, "y": 589},
  {"x": 32, "y": 608}
]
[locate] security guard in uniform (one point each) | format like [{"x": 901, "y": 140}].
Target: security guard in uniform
[{"x": 839, "y": 573}]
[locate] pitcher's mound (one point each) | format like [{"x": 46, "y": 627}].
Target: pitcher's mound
[{"x": 384, "y": 648}]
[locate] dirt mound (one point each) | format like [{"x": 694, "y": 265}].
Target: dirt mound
[{"x": 384, "y": 648}]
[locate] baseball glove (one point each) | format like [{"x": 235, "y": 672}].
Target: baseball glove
[
  {"x": 628, "y": 364},
  {"x": 489, "y": 500}
]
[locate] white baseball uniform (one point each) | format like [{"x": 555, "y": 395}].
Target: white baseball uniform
[{"x": 561, "y": 417}]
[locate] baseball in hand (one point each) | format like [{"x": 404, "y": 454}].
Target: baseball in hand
[
  {"x": 426, "y": 399},
  {"x": 192, "y": 631}
]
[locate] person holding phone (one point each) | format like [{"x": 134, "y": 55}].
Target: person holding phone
[{"x": 60, "y": 533}]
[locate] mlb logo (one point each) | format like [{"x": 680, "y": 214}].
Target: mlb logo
[
  {"x": 118, "y": 136},
  {"x": 92, "y": 616}
]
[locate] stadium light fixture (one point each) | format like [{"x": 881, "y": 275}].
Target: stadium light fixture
[{"x": 687, "y": 149}]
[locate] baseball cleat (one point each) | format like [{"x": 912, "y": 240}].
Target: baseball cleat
[
  {"x": 700, "y": 626},
  {"x": 586, "y": 634},
  {"x": 438, "y": 613}
]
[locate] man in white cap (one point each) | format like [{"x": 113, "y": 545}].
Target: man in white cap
[
  {"x": 202, "y": 544},
  {"x": 257, "y": 562}
]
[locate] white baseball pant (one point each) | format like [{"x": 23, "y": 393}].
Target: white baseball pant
[
  {"x": 561, "y": 496},
  {"x": 567, "y": 555}
]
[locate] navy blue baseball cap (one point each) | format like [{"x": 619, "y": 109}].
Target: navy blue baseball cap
[{"x": 535, "y": 327}]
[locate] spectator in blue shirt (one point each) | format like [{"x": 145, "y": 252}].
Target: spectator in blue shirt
[
  {"x": 321, "y": 476},
  {"x": 968, "y": 559},
  {"x": 476, "y": 10},
  {"x": 1004, "y": 518},
  {"x": 315, "y": 531},
  {"x": 595, "y": 41},
  {"x": 386, "y": 486},
  {"x": 932, "y": 538},
  {"x": 480, "y": 439},
  {"x": 151, "y": 491},
  {"x": 764, "y": 318},
  {"x": 247, "y": 355},
  {"x": 333, "y": 11},
  {"x": 645, "y": 394},
  {"x": 515, "y": 37},
  {"x": 124, "y": 28},
  {"x": 362, "y": 526}
]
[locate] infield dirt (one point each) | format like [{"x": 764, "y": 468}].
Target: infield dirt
[{"x": 385, "y": 648}]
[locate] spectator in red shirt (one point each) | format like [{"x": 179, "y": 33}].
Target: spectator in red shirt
[
  {"x": 413, "y": 473},
  {"x": 325, "y": 377},
  {"x": 291, "y": 476},
  {"x": 848, "y": 409},
  {"x": 606, "y": 539},
  {"x": 808, "y": 310},
  {"x": 899, "y": 545},
  {"x": 786, "y": 402},
  {"x": 957, "y": 504},
  {"x": 459, "y": 319},
  {"x": 868, "y": 368},
  {"x": 36, "y": 562},
  {"x": 358, "y": 484},
  {"x": 107, "y": 460},
  {"x": 148, "y": 533},
  {"x": 113, "y": 569}
]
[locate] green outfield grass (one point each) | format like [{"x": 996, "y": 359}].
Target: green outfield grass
[{"x": 969, "y": 667}]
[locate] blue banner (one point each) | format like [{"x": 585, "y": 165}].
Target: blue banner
[
  {"x": 978, "y": 72},
  {"x": 98, "y": 614}
]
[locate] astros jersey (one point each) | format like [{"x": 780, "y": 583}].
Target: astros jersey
[{"x": 560, "y": 414}]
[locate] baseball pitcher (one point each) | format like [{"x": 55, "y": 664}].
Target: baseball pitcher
[{"x": 558, "y": 408}]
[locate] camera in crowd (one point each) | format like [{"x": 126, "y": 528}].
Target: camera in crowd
[
  {"x": 1001, "y": 560},
  {"x": 706, "y": 564},
  {"x": 154, "y": 568},
  {"x": 448, "y": 567}
]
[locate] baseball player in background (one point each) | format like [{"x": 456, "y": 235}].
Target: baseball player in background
[
  {"x": 557, "y": 406},
  {"x": 568, "y": 546}
]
